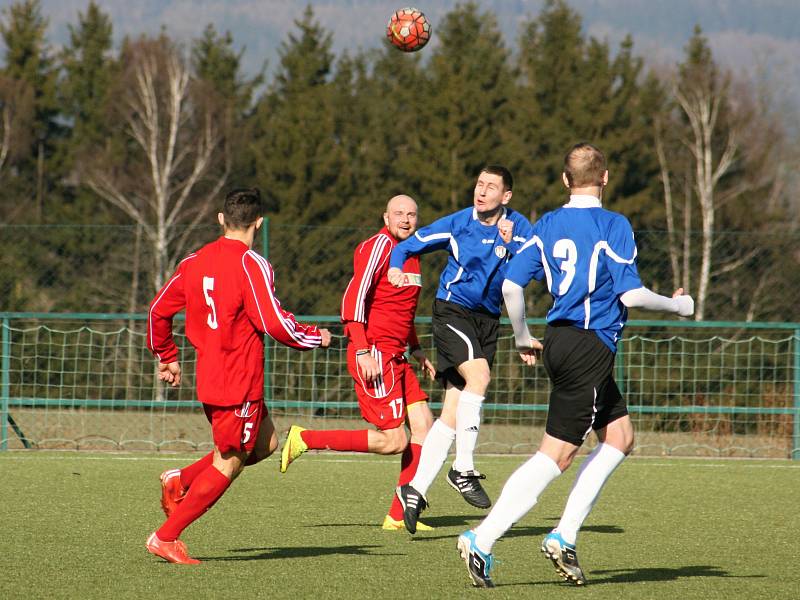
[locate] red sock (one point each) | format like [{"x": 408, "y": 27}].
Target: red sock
[
  {"x": 205, "y": 491},
  {"x": 342, "y": 440},
  {"x": 408, "y": 467},
  {"x": 190, "y": 473}
]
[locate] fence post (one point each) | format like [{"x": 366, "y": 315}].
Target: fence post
[
  {"x": 267, "y": 341},
  {"x": 5, "y": 383},
  {"x": 796, "y": 415}
]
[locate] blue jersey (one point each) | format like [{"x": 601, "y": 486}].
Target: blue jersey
[
  {"x": 588, "y": 256},
  {"x": 478, "y": 259}
]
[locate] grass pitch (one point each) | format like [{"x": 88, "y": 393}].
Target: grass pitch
[{"x": 74, "y": 526}]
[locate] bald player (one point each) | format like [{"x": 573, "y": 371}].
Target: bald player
[{"x": 379, "y": 322}]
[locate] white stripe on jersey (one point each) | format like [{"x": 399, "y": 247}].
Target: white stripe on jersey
[
  {"x": 439, "y": 236},
  {"x": 372, "y": 266},
  {"x": 453, "y": 280},
  {"x": 161, "y": 295},
  {"x": 266, "y": 271},
  {"x": 601, "y": 245},
  {"x": 535, "y": 240}
]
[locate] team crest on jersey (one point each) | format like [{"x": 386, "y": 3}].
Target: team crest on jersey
[
  {"x": 500, "y": 251},
  {"x": 412, "y": 279}
]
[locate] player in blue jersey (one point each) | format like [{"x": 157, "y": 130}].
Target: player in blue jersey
[
  {"x": 480, "y": 241},
  {"x": 587, "y": 255}
]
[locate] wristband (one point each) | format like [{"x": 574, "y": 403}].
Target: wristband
[
  {"x": 362, "y": 352},
  {"x": 413, "y": 349}
]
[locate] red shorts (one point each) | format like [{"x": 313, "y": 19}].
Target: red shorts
[
  {"x": 383, "y": 402},
  {"x": 235, "y": 428}
]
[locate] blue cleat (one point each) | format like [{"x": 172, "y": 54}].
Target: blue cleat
[
  {"x": 479, "y": 563},
  {"x": 564, "y": 557}
]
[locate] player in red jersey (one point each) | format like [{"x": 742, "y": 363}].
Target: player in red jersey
[
  {"x": 379, "y": 323},
  {"x": 227, "y": 291}
]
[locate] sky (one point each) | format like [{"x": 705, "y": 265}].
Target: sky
[{"x": 757, "y": 38}]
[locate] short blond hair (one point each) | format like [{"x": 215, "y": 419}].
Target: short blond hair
[{"x": 584, "y": 166}]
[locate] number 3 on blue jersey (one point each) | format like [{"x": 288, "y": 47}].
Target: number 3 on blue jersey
[{"x": 565, "y": 248}]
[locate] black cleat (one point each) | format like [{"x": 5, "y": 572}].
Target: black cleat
[
  {"x": 469, "y": 486},
  {"x": 413, "y": 504},
  {"x": 564, "y": 557}
]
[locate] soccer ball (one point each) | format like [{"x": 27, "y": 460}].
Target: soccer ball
[{"x": 408, "y": 29}]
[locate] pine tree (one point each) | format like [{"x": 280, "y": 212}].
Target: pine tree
[
  {"x": 219, "y": 78},
  {"x": 29, "y": 64},
  {"x": 89, "y": 69},
  {"x": 300, "y": 164},
  {"x": 463, "y": 108}
]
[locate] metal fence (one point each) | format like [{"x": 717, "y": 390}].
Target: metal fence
[{"x": 707, "y": 388}]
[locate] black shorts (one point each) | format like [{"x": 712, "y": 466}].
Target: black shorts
[
  {"x": 461, "y": 334},
  {"x": 584, "y": 395}
]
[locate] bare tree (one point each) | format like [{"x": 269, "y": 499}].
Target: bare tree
[
  {"x": 719, "y": 152},
  {"x": 170, "y": 160}
]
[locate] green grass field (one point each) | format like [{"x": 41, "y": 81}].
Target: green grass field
[{"x": 74, "y": 526}]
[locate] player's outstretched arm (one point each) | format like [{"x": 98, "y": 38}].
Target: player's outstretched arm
[
  {"x": 680, "y": 303},
  {"x": 527, "y": 346},
  {"x": 266, "y": 313},
  {"x": 435, "y": 236}
]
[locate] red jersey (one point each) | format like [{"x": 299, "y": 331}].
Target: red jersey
[
  {"x": 373, "y": 310},
  {"x": 228, "y": 293}
]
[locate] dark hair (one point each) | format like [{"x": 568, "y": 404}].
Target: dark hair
[
  {"x": 242, "y": 207},
  {"x": 584, "y": 165},
  {"x": 508, "y": 180}
]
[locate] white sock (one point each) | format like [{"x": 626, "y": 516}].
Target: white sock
[
  {"x": 434, "y": 452},
  {"x": 591, "y": 477},
  {"x": 468, "y": 423},
  {"x": 519, "y": 495}
]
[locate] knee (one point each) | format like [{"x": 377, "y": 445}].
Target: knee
[
  {"x": 478, "y": 381},
  {"x": 394, "y": 441},
  {"x": 630, "y": 441},
  {"x": 260, "y": 452},
  {"x": 565, "y": 462},
  {"x": 272, "y": 445},
  {"x": 420, "y": 420}
]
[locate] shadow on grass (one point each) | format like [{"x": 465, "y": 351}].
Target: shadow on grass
[
  {"x": 534, "y": 532},
  {"x": 649, "y": 574},
  {"x": 298, "y": 552},
  {"x": 464, "y": 521},
  {"x": 662, "y": 574}
]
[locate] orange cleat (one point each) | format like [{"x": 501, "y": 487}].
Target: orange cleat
[
  {"x": 172, "y": 492},
  {"x": 174, "y": 552}
]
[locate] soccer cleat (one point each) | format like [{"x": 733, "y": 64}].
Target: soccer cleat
[
  {"x": 468, "y": 484},
  {"x": 479, "y": 563},
  {"x": 172, "y": 492},
  {"x": 413, "y": 504},
  {"x": 390, "y": 524},
  {"x": 564, "y": 557},
  {"x": 293, "y": 447},
  {"x": 174, "y": 552}
]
